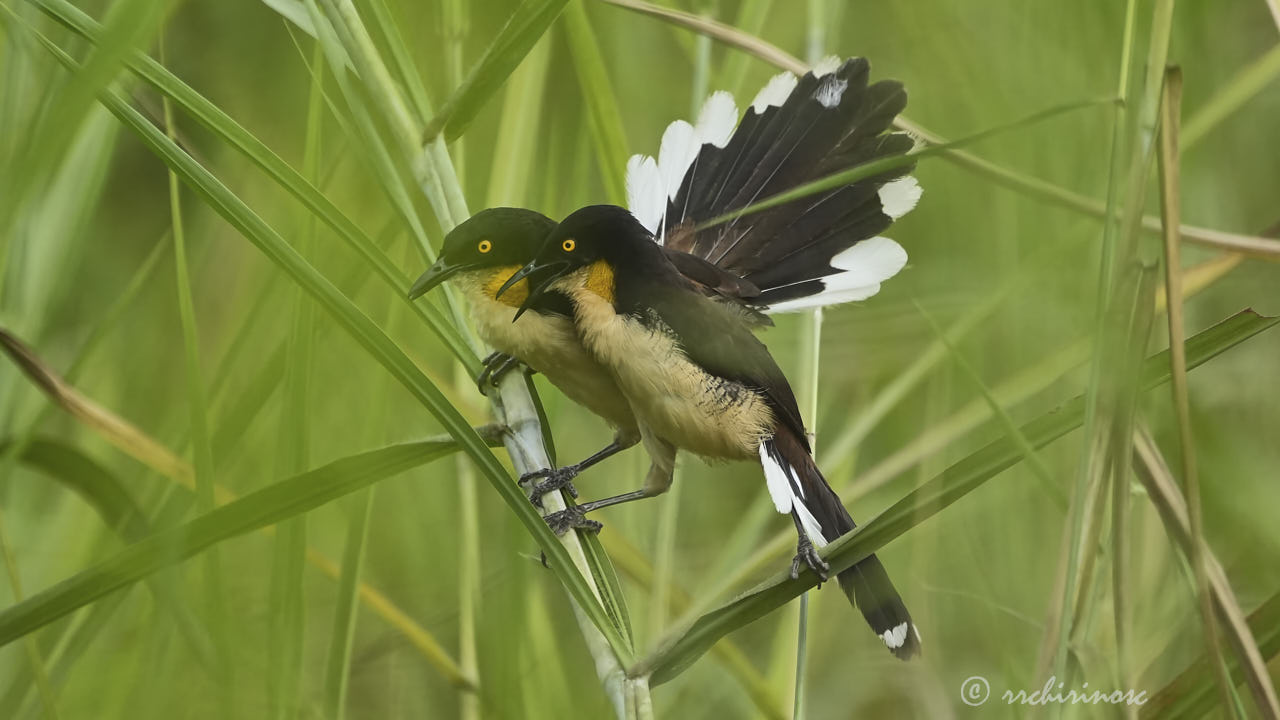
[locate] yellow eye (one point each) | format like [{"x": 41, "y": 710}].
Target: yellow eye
[
  {"x": 484, "y": 246},
  {"x": 569, "y": 245}
]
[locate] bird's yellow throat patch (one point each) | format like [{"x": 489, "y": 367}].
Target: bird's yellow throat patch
[
  {"x": 596, "y": 277},
  {"x": 600, "y": 279},
  {"x": 515, "y": 295}
]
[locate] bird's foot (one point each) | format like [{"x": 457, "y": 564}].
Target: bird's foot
[
  {"x": 807, "y": 554},
  {"x": 571, "y": 518},
  {"x": 496, "y": 365},
  {"x": 552, "y": 480}
]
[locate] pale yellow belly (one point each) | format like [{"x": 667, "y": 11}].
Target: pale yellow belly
[
  {"x": 551, "y": 346},
  {"x": 675, "y": 399}
]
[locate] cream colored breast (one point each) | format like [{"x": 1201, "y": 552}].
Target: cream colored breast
[
  {"x": 550, "y": 345},
  {"x": 682, "y": 403}
]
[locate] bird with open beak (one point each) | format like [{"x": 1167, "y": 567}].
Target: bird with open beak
[{"x": 819, "y": 251}]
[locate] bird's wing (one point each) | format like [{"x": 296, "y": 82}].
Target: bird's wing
[
  {"x": 800, "y": 254},
  {"x": 719, "y": 340}
]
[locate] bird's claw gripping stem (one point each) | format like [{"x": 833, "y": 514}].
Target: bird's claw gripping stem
[
  {"x": 571, "y": 518},
  {"x": 555, "y": 479},
  {"x": 807, "y": 554},
  {"x": 496, "y": 365}
]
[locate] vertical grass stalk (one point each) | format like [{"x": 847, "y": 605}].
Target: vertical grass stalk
[
  {"x": 811, "y": 355},
  {"x": 288, "y": 620},
  {"x": 201, "y": 447},
  {"x": 1087, "y": 473},
  {"x": 48, "y": 700},
  {"x": 1171, "y": 213}
]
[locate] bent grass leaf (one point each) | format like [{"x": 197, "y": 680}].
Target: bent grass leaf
[
  {"x": 1163, "y": 490},
  {"x": 86, "y": 478},
  {"x": 679, "y": 652},
  {"x": 160, "y": 459},
  {"x": 281, "y": 501}
]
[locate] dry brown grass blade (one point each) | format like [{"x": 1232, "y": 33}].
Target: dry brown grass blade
[
  {"x": 1170, "y": 214},
  {"x": 142, "y": 447},
  {"x": 1163, "y": 490},
  {"x": 114, "y": 429},
  {"x": 1250, "y": 245},
  {"x": 726, "y": 34}
]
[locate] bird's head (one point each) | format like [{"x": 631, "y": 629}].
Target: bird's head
[
  {"x": 487, "y": 249},
  {"x": 583, "y": 250}
]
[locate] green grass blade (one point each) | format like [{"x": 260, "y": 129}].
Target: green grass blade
[
  {"x": 954, "y": 483},
  {"x": 406, "y": 72},
  {"x": 516, "y": 153},
  {"x": 1253, "y": 79},
  {"x": 113, "y": 503},
  {"x": 295, "y": 12},
  {"x": 1122, "y": 323},
  {"x": 130, "y": 23},
  {"x": 1038, "y": 466},
  {"x": 338, "y": 663},
  {"x": 58, "y": 219},
  {"x": 102, "y": 490},
  {"x": 198, "y": 411},
  {"x": 35, "y": 660},
  {"x": 340, "y": 26},
  {"x": 604, "y": 117},
  {"x": 287, "y": 606},
  {"x": 160, "y": 459},
  {"x": 517, "y": 38},
  {"x": 275, "y": 503}
]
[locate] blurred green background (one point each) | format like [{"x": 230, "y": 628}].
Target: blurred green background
[{"x": 88, "y": 217}]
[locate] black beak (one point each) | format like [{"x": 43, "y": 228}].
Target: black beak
[
  {"x": 552, "y": 270},
  {"x": 434, "y": 275}
]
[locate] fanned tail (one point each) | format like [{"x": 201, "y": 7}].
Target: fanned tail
[
  {"x": 805, "y": 253},
  {"x": 797, "y": 487}
]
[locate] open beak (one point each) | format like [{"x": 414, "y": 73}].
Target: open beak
[
  {"x": 434, "y": 275},
  {"x": 553, "y": 270}
]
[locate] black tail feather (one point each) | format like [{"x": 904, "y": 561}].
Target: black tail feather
[
  {"x": 806, "y": 138},
  {"x": 866, "y": 584}
]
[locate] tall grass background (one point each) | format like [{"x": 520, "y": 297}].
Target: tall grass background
[{"x": 163, "y": 366}]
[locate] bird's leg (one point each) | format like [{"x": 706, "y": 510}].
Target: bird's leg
[
  {"x": 496, "y": 364},
  {"x": 807, "y": 554},
  {"x": 662, "y": 456},
  {"x": 575, "y": 516},
  {"x": 562, "y": 478}
]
